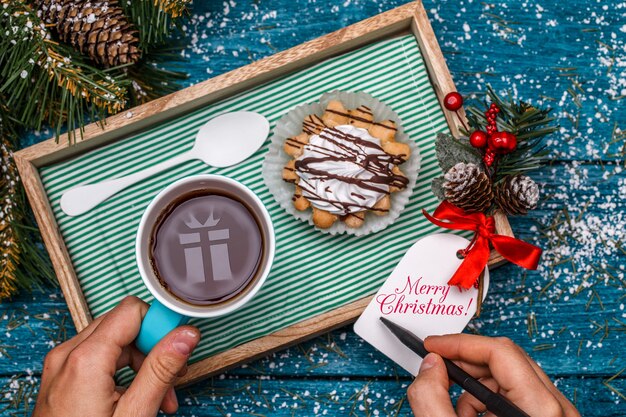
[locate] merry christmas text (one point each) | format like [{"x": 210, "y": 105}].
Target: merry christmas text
[{"x": 413, "y": 297}]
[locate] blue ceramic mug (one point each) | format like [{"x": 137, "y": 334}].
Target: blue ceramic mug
[{"x": 167, "y": 311}]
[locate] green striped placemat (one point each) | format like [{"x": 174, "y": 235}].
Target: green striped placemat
[{"x": 313, "y": 272}]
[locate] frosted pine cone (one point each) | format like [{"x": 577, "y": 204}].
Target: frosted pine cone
[
  {"x": 98, "y": 29},
  {"x": 517, "y": 194},
  {"x": 467, "y": 187}
]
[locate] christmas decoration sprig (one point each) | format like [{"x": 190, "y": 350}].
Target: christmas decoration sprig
[{"x": 485, "y": 170}]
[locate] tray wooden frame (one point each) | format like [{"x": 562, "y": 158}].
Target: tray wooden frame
[{"x": 410, "y": 18}]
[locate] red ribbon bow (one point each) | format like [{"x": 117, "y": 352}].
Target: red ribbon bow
[{"x": 449, "y": 216}]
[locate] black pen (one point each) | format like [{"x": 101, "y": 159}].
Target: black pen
[{"x": 494, "y": 402}]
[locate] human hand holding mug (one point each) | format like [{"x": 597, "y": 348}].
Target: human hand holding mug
[
  {"x": 78, "y": 375},
  {"x": 204, "y": 248}
]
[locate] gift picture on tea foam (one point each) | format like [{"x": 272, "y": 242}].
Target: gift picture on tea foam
[{"x": 205, "y": 248}]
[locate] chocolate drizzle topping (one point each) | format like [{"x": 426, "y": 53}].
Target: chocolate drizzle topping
[
  {"x": 349, "y": 149},
  {"x": 312, "y": 125},
  {"x": 361, "y": 119},
  {"x": 294, "y": 143}
]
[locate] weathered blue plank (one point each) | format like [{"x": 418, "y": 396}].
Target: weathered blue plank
[
  {"x": 300, "y": 397},
  {"x": 351, "y": 397}
]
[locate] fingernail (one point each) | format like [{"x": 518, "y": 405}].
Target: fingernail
[
  {"x": 429, "y": 361},
  {"x": 185, "y": 341}
]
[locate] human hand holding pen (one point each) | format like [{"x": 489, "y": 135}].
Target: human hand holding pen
[{"x": 499, "y": 364}]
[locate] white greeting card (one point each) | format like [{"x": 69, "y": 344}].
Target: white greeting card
[{"x": 417, "y": 297}]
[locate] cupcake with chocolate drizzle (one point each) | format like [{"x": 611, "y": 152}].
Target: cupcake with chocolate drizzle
[{"x": 349, "y": 171}]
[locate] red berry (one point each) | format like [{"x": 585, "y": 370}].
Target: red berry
[
  {"x": 502, "y": 142},
  {"x": 489, "y": 158},
  {"x": 478, "y": 139},
  {"x": 493, "y": 106},
  {"x": 497, "y": 140},
  {"x": 453, "y": 101},
  {"x": 512, "y": 143}
]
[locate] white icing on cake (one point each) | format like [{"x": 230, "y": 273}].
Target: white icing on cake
[{"x": 344, "y": 170}]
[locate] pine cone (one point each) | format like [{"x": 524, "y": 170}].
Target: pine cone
[
  {"x": 467, "y": 187},
  {"x": 517, "y": 194},
  {"x": 99, "y": 29}
]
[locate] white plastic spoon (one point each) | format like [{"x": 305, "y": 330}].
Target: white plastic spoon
[{"x": 223, "y": 141}]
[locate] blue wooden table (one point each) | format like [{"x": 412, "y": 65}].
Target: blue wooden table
[{"x": 569, "y": 315}]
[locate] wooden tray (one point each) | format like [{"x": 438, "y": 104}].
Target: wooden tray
[{"x": 408, "y": 19}]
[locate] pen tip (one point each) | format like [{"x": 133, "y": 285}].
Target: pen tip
[{"x": 385, "y": 321}]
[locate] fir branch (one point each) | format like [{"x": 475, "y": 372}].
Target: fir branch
[
  {"x": 46, "y": 82},
  {"x": 436, "y": 187},
  {"x": 149, "y": 80},
  {"x": 529, "y": 124},
  {"x": 525, "y": 121},
  {"x": 10, "y": 255},
  {"x": 22, "y": 263}
]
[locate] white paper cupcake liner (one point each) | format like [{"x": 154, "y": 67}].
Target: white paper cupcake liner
[{"x": 291, "y": 125}]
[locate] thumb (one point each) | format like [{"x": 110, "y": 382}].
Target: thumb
[
  {"x": 428, "y": 394},
  {"x": 158, "y": 373}
]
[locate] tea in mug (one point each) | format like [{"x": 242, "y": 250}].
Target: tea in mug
[{"x": 205, "y": 248}]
